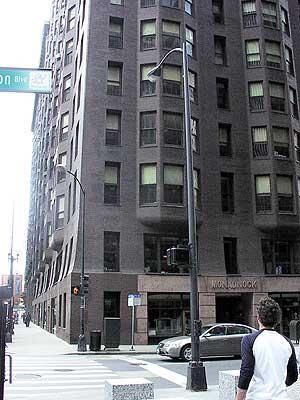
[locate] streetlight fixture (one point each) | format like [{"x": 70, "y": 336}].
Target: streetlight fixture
[
  {"x": 81, "y": 339},
  {"x": 196, "y": 377}
]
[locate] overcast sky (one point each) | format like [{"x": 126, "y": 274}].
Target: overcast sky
[{"x": 21, "y": 26}]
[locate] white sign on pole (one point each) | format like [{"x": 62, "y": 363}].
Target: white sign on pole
[{"x": 134, "y": 300}]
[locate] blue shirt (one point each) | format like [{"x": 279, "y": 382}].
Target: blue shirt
[{"x": 269, "y": 364}]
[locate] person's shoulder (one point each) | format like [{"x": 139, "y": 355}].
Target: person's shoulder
[{"x": 250, "y": 338}]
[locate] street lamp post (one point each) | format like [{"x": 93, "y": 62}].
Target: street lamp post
[
  {"x": 196, "y": 377},
  {"x": 81, "y": 339}
]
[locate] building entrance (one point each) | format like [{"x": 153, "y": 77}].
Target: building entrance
[{"x": 233, "y": 308}]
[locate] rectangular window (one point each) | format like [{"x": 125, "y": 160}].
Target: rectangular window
[
  {"x": 76, "y": 140},
  {"x": 222, "y": 93},
  {"x": 193, "y": 86},
  {"x": 195, "y": 134},
  {"x": 66, "y": 89},
  {"x": 285, "y": 193},
  {"x": 148, "y": 88},
  {"x": 249, "y": 13},
  {"x": 227, "y": 192},
  {"x": 148, "y": 183},
  {"x": 230, "y": 255},
  {"x": 190, "y": 41},
  {"x": 113, "y": 128},
  {"x": 111, "y": 251},
  {"x": 285, "y": 21},
  {"x": 218, "y": 11},
  {"x": 60, "y": 212},
  {"x": 55, "y": 106},
  {"x": 170, "y": 34},
  {"x": 297, "y": 145},
  {"x": 170, "y": 3},
  {"x": 173, "y": 129},
  {"x": 269, "y": 14},
  {"x": 148, "y": 35},
  {"x": 64, "y": 309},
  {"x": 273, "y": 54},
  {"x": 69, "y": 51},
  {"x": 148, "y": 128},
  {"x": 252, "y": 53},
  {"x": 171, "y": 80},
  {"x": 112, "y": 183},
  {"x": 111, "y": 304},
  {"x": 78, "y": 94},
  {"x": 71, "y": 18},
  {"x": 225, "y": 140},
  {"x": 293, "y": 102},
  {"x": 69, "y": 202},
  {"x": 196, "y": 182},
  {"x": 260, "y": 141},
  {"x": 277, "y": 96},
  {"x": 277, "y": 257},
  {"x": 173, "y": 184},
  {"x": 114, "y": 79},
  {"x": 61, "y": 173},
  {"x": 281, "y": 142},
  {"x": 256, "y": 96},
  {"x": 188, "y": 7},
  {"x": 60, "y": 310},
  {"x": 117, "y": 2},
  {"x": 64, "y": 127},
  {"x": 147, "y": 3},
  {"x": 289, "y": 60},
  {"x": 220, "y": 50},
  {"x": 263, "y": 193},
  {"x": 115, "y": 40},
  {"x": 155, "y": 250}
]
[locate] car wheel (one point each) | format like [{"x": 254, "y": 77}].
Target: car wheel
[{"x": 186, "y": 353}]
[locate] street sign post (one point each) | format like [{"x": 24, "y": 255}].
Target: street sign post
[
  {"x": 25, "y": 80},
  {"x": 133, "y": 300}
]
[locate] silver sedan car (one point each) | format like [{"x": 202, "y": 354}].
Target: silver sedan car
[{"x": 215, "y": 340}]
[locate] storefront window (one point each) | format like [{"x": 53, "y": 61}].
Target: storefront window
[
  {"x": 168, "y": 315},
  {"x": 290, "y": 306},
  {"x": 281, "y": 257},
  {"x": 155, "y": 253}
]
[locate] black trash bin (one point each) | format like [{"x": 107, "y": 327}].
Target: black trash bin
[{"x": 95, "y": 340}]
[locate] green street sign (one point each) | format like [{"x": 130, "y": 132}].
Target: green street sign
[{"x": 25, "y": 80}]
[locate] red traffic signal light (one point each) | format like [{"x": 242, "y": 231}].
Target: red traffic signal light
[{"x": 75, "y": 290}]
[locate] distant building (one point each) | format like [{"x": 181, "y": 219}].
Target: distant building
[{"x": 123, "y": 138}]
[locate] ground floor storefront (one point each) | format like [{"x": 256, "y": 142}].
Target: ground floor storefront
[{"x": 164, "y": 310}]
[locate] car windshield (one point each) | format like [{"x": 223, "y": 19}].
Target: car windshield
[{"x": 205, "y": 328}]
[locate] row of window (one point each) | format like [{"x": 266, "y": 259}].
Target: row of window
[{"x": 188, "y": 4}]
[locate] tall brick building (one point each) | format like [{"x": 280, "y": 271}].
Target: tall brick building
[{"x": 122, "y": 136}]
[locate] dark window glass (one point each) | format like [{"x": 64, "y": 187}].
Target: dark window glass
[
  {"x": 249, "y": 13},
  {"x": 220, "y": 50},
  {"x": 222, "y": 93},
  {"x": 170, "y": 3},
  {"x": 225, "y": 140},
  {"x": 170, "y": 34},
  {"x": 277, "y": 257},
  {"x": 217, "y": 10},
  {"x": 263, "y": 193},
  {"x": 230, "y": 255},
  {"x": 281, "y": 142},
  {"x": 293, "y": 102},
  {"x": 148, "y": 34},
  {"x": 269, "y": 14},
  {"x": 148, "y": 128},
  {"x": 112, "y": 183},
  {"x": 172, "y": 80},
  {"x": 285, "y": 21},
  {"x": 113, "y": 128},
  {"x": 114, "y": 80},
  {"x": 147, "y": 3},
  {"x": 111, "y": 304},
  {"x": 277, "y": 96},
  {"x": 173, "y": 184},
  {"x": 256, "y": 96},
  {"x": 227, "y": 192},
  {"x": 297, "y": 145},
  {"x": 115, "y": 33},
  {"x": 148, "y": 88},
  {"x": 285, "y": 193},
  {"x": 173, "y": 129},
  {"x": 289, "y": 60},
  {"x": 260, "y": 141},
  {"x": 155, "y": 251},
  {"x": 111, "y": 251}
]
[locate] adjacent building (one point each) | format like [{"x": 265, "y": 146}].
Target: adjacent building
[{"x": 122, "y": 136}]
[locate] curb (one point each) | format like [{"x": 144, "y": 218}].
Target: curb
[{"x": 110, "y": 352}]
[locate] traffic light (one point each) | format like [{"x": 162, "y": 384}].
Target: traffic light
[
  {"x": 179, "y": 255},
  {"x": 75, "y": 290},
  {"x": 86, "y": 284}
]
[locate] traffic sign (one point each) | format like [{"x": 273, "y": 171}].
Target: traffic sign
[
  {"x": 134, "y": 300},
  {"x": 30, "y": 80}
]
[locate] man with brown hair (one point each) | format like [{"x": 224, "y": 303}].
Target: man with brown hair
[{"x": 269, "y": 362}]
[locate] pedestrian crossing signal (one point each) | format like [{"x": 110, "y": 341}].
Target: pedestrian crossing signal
[{"x": 75, "y": 290}]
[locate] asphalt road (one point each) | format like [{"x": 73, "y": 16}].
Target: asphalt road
[{"x": 134, "y": 365}]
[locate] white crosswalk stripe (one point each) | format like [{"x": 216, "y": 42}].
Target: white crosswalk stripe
[{"x": 43, "y": 375}]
